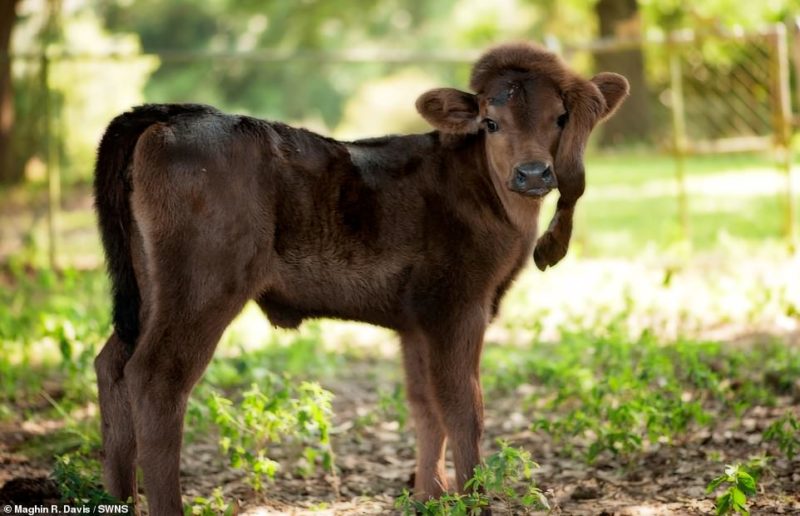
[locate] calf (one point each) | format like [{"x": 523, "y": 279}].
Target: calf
[{"x": 202, "y": 211}]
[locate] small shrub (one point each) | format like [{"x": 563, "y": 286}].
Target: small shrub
[
  {"x": 506, "y": 475},
  {"x": 757, "y": 466},
  {"x": 214, "y": 506},
  {"x": 786, "y": 433},
  {"x": 279, "y": 412},
  {"x": 78, "y": 481},
  {"x": 740, "y": 485},
  {"x": 451, "y": 504},
  {"x": 392, "y": 405}
]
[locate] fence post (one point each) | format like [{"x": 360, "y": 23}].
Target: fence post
[
  {"x": 782, "y": 125},
  {"x": 796, "y": 59},
  {"x": 53, "y": 171},
  {"x": 679, "y": 138},
  {"x": 49, "y": 36}
]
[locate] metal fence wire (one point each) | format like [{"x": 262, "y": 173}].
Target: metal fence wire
[
  {"x": 726, "y": 88},
  {"x": 732, "y": 94},
  {"x": 723, "y": 92}
]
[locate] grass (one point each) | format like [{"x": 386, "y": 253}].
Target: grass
[
  {"x": 631, "y": 203},
  {"x": 640, "y": 168},
  {"x": 615, "y": 396}
]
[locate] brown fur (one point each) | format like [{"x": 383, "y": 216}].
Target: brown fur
[
  {"x": 587, "y": 103},
  {"x": 201, "y": 211}
]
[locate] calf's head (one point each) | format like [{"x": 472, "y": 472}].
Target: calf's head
[{"x": 537, "y": 116}]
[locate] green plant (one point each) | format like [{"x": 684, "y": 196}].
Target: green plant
[
  {"x": 392, "y": 405},
  {"x": 786, "y": 432},
  {"x": 740, "y": 485},
  {"x": 622, "y": 393},
  {"x": 450, "y": 504},
  {"x": 506, "y": 475},
  {"x": 51, "y": 326},
  {"x": 78, "y": 482},
  {"x": 757, "y": 465},
  {"x": 213, "y": 506},
  {"x": 278, "y": 412}
]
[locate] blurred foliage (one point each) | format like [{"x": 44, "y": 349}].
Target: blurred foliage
[
  {"x": 89, "y": 89},
  {"x": 279, "y": 90},
  {"x": 666, "y": 15},
  {"x": 214, "y": 52},
  {"x": 84, "y": 92}
]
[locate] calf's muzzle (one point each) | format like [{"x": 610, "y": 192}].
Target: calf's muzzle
[{"x": 535, "y": 178}]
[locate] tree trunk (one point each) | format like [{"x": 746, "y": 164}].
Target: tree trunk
[
  {"x": 8, "y": 171},
  {"x": 620, "y": 18}
]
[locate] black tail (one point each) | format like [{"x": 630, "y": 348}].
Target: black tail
[{"x": 112, "y": 188}]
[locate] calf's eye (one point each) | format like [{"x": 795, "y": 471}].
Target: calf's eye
[
  {"x": 562, "y": 120},
  {"x": 491, "y": 125}
]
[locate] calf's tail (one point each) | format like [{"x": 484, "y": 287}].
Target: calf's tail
[{"x": 112, "y": 189}]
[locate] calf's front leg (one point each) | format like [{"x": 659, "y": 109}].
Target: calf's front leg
[
  {"x": 455, "y": 352},
  {"x": 430, "y": 479},
  {"x": 552, "y": 246}
]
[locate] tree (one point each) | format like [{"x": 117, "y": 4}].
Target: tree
[
  {"x": 621, "y": 19},
  {"x": 301, "y": 90},
  {"x": 8, "y": 171}
]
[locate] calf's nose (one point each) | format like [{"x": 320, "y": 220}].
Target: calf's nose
[{"x": 535, "y": 174}]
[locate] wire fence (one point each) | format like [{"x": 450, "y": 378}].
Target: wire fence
[
  {"x": 735, "y": 89},
  {"x": 725, "y": 92},
  {"x": 707, "y": 93}
]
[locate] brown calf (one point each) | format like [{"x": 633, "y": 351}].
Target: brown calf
[{"x": 201, "y": 211}]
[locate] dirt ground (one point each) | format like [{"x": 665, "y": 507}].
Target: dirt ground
[{"x": 374, "y": 463}]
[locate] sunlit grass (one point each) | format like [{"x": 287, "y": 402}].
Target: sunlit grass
[{"x": 631, "y": 203}]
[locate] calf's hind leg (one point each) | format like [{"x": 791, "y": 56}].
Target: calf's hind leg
[
  {"x": 119, "y": 444},
  {"x": 169, "y": 359},
  {"x": 198, "y": 285},
  {"x": 202, "y": 227}
]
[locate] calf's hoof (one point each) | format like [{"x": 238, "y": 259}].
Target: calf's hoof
[{"x": 548, "y": 251}]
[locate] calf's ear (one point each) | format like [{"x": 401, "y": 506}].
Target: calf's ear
[
  {"x": 614, "y": 88},
  {"x": 450, "y": 110},
  {"x": 585, "y": 109}
]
